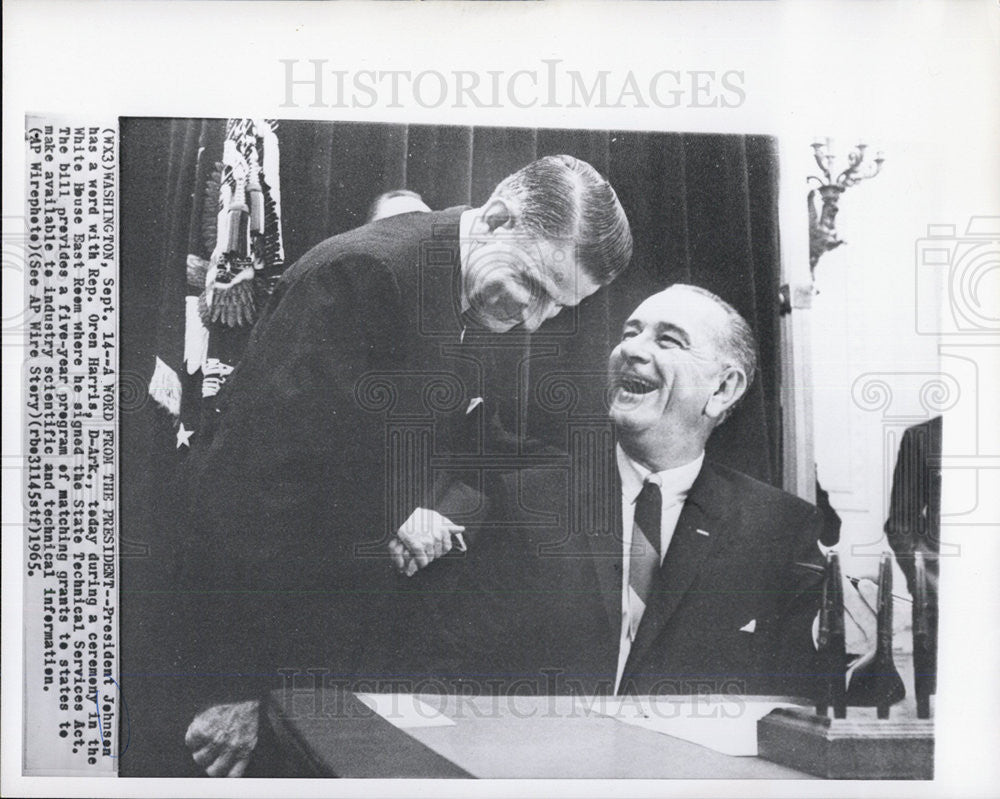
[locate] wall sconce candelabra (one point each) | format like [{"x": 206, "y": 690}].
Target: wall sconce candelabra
[{"x": 822, "y": 223}]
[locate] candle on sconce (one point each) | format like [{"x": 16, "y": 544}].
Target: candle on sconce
[{"x": 831, "y": 185}]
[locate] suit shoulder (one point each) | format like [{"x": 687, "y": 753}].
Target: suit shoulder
[
  {"x": 391, "y": 244},
  {"x": 758, "y": 494},
  {"x": 929, "y": 427},
  {"x": 335, "y": 258}
]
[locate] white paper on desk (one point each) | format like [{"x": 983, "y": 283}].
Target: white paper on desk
[
  {"x": 405, "y": 711},
  {"x": 726, "y": 724}
]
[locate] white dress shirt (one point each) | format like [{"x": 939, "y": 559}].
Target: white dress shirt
[{"x": 674, "y": 487}]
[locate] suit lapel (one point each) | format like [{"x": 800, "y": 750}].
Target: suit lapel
[{"x": 705, "y": 523}]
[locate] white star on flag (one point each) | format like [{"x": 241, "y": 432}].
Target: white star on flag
[{"x": 184, "y": 436}]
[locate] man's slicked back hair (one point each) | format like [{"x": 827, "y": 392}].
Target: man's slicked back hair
[{"x": 563, "y": 198}]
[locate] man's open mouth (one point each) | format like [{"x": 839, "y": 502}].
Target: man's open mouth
[{"x": 636, "y": 385}]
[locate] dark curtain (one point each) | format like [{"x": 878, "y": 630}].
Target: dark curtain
[{"x": 703, "y": 210}]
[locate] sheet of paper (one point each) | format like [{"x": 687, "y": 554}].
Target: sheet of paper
[
  {"x": 405, "y": 711},
  {"x": 726, "y": 724}
]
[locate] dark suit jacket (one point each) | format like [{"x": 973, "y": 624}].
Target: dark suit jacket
[
  {"x": 543, "y": 603},
  {"x": 353, "y": 380},
  {"x": 914, "y": 522}
]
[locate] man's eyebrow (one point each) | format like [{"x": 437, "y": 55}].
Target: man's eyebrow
[
  {"x": 543, "y": 280},
  {"x": 669, "y": 327}
]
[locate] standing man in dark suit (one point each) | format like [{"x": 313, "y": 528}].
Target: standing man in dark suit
[
  {"x": 642, "y": 568},
  {"x": 914, "y": 523},
  {"x": 294, "y": 499}
]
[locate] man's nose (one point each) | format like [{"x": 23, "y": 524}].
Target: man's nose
[
  {"x": 533, "y": 318},
  {"x": 635, "y": 349}
]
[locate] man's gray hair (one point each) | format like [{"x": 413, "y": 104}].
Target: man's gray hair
[
  {"x": 736, "y": 343},
  {"x": 563, "y": 198}
]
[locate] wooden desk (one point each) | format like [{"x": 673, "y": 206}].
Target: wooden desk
[{"x": 330, "y": 733}]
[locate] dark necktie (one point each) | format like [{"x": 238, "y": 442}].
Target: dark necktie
[{"x": 644, "y": 560}]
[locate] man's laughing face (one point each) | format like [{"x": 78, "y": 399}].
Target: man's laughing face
[{"x": 667, "y": 365}]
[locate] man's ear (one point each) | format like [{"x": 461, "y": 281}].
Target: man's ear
[
  {"x": 732, "y": 385},
  {"x": 498, "y": 213}
]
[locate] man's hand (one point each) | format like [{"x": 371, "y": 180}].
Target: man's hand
[
  {"x": 223, "y": 737},
  {"x": 422, "y": 538}
]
